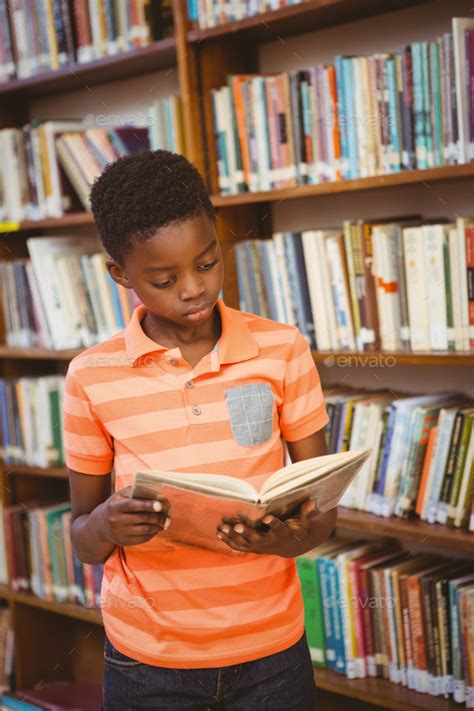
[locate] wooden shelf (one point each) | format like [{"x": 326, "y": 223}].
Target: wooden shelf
[
  {"x": 87, "y": 614},
  {"x": 296, "y": 19},
  {"x": 52, "y": 472},
  {"x": 382, "y": 693},
  {"x": 7, "y": 353},
  {"x": 392, "y": 359},
  {"x": 406, "y": 177},
  {"x": 4, "y": 591},
  {"x": 158, "y": 55},
  {"x": 407, "y": 529}
]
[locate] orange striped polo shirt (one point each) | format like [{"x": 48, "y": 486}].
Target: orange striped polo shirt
[{"x": 131, "y": 404}]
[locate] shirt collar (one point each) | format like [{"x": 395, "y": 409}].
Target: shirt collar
[{"x": 235, "y": 344}]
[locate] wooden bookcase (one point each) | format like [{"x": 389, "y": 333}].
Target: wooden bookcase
[{"x": 58, "y": 641}]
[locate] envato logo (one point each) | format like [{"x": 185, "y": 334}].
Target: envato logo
[
  {"x": 373, "y": 603},
  {"x": 110, "y": 361},
  {"x": 363, "y": 121},
  {"x": 113, "y": 120},
  {"x": 131, "y": 603},
  {"x": 371, "y": 360}
]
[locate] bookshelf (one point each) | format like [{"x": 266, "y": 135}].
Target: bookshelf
[{"x": 202, "y": 59}]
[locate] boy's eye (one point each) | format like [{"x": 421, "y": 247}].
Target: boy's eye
[{"x": 202, "y": 267}]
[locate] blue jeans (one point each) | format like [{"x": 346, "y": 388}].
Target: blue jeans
[{"x": 280, "y": 682}]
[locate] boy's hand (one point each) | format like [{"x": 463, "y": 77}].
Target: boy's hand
[
  {"x": 127, "y": 522},
  {"x": 287, "y": 538}
]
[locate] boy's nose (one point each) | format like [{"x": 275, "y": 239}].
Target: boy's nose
[{"x": 192, "y": 288}]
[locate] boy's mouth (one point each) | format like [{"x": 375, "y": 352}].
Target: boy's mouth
[{"x": 198, "y": 313}]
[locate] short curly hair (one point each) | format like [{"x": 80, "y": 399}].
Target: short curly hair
[{"x": 138, "y": 194}]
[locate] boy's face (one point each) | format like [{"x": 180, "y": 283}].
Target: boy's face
[{"x": 175, "y": 271}]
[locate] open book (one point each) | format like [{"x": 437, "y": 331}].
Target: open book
[{"x": 200, "y": 501}]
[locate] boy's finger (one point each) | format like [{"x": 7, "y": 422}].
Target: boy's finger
[
  {"x": 132, "y": 505},
  {"x": 274, "y": 524}
]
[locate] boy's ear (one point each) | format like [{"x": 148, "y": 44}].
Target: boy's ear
[{"x": 117, "y": 273}]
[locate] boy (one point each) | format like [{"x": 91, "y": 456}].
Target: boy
[{"x": 189, "y": 385}]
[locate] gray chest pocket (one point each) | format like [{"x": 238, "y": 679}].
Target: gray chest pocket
[{"x": 251, "y": 413}]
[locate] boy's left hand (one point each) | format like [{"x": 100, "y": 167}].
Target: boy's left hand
[{"x": 287, "y": 538}]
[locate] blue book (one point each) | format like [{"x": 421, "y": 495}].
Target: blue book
[
  {"x": 333, "y": 572},
  {"x": 262, "y": 249},
  {"x": 350, "y": 116},
  {"x": 328, "y": 612},
  {"x": 254, "y": 305},
  {"x": 222, "y": 158},
  {"x": 379, "y": 484},
  {"x": 241, "y": 277},
  {"x": 394, "y": 127},
  {"x": 116, "y": 301},
  {"x": 426, "y": 92},
  {"x": 9, "y": 702},
  {"x": 78, "y": 579},
  {"x": 342, "y": 113},
  {"x": 418, "y": 107}
]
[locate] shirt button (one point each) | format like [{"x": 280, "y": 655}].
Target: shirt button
[
  {"x": 189, "y": 384},
  {"x": 174, "y": 361},
  {"x": 196, "y": 410}
]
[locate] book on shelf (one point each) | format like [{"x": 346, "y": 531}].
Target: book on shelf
[
  {"x": 41, "y": 561},
  {"x": 371, "y": 610},
  {"x": 50, "y": 166},
  {"x": 79, "y": 306},
  {"x": 421, "y": 459},
  {"x": 35, "y": 39},
  {"x": 368, "y": 286},
  {"x": 31, "y": 420},
  {"x": 210, "y": 14},
  {"x": 357, "y": 117},
  {"x": 200, "y": 501}
]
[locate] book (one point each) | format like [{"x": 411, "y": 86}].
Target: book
[{"x": 200, "y": 501}]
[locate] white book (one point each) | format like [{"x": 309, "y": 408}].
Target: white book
[
  {"x": 44, "y": 336},
  {"x": 50, "y": 129},
  {"x": 316, "y": 290},
  {"x": 97, "y": 261},
  {"x": 200, "y": 501},
  {"x": 261, "y": 134},
  {"x": 340, "y": 291},
  {"x": 44, "y": 252},
  {"x": 434, "y": 238},
  {"x": 465, "y": 147},
  {"x": 279, "y": 241},
  {"x": 269, "y": 249},
  {"x": 417, "y": 292}
]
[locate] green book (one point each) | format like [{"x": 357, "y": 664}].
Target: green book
[
  {"x": 460, "y": 463},
  {"x": 313, "y": 609},
  {"x": 55, "y": 543}
]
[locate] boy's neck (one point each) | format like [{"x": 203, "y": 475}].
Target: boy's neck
[{"x": 173, "y": 335}]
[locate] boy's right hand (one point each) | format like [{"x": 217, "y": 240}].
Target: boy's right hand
[{"x": 127, "y": 522}]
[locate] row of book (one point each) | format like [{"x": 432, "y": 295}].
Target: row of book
[
  {"x": 373, "y": 610},
  {"x": 209, "y": 13},
  {"x": 78, "y": 305},
  {"x": 49, "y": 166},
  {"x": 31, "y": 419},
  {"x": 40, "y": 556},
  {"x": 422, "y": 458},
  {"x": 396, "y": 286},
  {"x": 358, "y": 117},
  {"x": 51, "y": 34}
]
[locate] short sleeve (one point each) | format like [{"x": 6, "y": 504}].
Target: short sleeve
[
  {"x": 87, "y": 444},
  {"x": 302, "y": 411}
]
